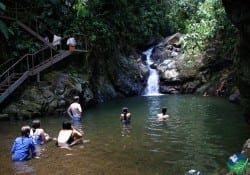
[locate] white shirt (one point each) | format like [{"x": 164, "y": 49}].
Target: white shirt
[
  {"x": 71, "y": 41},
  {"x": 75, "y": 109},
  {"x": 56, "y": 40},
  {"x": 63, "y": 137}
]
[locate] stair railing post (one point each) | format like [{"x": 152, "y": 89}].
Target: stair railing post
[
  {"x": 27, "y": 61},
  {"x": 42, "y": 56},
  {"x": 86, "y": 44},
  {"x": 50, "y": 51},
  {"x": 32, "y": 61},
  {"x": 8, "y": 78},
  {"x": 38, "y": 77}
]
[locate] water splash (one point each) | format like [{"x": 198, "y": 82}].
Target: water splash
[{"x": 152, "y": 88}]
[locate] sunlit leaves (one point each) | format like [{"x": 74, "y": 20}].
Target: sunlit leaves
[
  {"x": 2, "y": 6},
  {"x": 80, "y": 7},
  {"x": 4, "y": 29},
  {"x": 202, "y": 26}
]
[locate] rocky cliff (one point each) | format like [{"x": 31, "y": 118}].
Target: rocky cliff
[{"x": 238, "y": 12}]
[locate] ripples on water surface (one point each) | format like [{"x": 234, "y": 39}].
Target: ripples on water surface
[{"x": 201, "y": 134}]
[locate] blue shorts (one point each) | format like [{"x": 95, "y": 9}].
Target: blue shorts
[
  {"x": 125, "y": 122},
  {"x": 76, "y": 118}
]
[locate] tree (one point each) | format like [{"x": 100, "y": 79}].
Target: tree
[{"x": 3, "y": 27}]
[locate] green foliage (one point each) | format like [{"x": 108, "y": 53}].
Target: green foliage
[
  {"x": 3, "y": 27},
  {"x": 21, "y": 43},
  {"x": 2, "y": 6},
  {"x": 80, "y": 7},
  {"x": 120, "y": 23},
  {"x": 178, "y": 12},
  {"x": 201, "y": 21}
]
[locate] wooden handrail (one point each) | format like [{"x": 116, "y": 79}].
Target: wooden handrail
[
  {"x": 33, "y": 63},
  {"x": 39, "y": 51},
  {"x": 18, "y": 61}
]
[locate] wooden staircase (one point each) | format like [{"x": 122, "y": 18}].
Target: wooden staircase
[
  {"x": 29, "y": 65},
  {"x": 33, "y": 64}
]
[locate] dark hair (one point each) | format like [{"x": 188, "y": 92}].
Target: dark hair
[
  {"x": 36, "y": 123},
  {"x": 66, "y": 125},
  {"x": 124, "y": 110},
  {"x": 164, "y": 110},
  {"x": 76, "y": 98},
  {"x": 25, "y": 131}
]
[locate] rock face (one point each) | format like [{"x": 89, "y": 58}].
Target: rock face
[
  {"x": 167, "y": 56},
  {"x": 52, "y": 95},
  {"x": 238, "y": 12},
  {"x": 209, "y": 74},
  {"x": 121, "y": 77},
  {"x": 103, "y": 81}
]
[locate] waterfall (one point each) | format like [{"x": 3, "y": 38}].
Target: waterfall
[{"x": 152, "y": 88}]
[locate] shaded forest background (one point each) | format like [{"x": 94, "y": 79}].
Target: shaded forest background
[
  {"x": 116, "y": 25},
  {"x": 117, "y": 33}
]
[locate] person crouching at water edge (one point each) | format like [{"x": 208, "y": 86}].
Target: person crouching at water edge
[
  {"x": 23, "y": 147},
  {"x": 75, "y": 109},
  {"x": 163, "y": 116},
  {"x": 125, "y": 116},
  {"x": 68, "y": 136}
]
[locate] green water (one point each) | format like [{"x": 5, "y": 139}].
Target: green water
[{"x": 201, "y": 134}]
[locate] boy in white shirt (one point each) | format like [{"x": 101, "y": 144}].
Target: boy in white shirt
[{"x": 75, "y": 110}]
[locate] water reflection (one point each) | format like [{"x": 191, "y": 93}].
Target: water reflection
[
  {"x": 126, "y": 129},
  {"x": 154, "y": 128},
  {"x": 153, "y": 106},
  {"x": 24, "y": 167},
  {"x": 78, "y": 126},
  {"x": 201, "y": 134}
]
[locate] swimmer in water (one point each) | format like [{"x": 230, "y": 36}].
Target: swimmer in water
[
  {"x": 163, "y": 115},
  {"x": 23, "y": 147},
  {"x": 125, "y": 116},
  {"x": 68, "y": 136}
]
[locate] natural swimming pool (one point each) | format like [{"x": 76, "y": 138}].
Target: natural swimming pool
[{"x": 201, "y": 134}]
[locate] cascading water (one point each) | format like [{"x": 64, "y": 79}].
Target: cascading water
[{"x": 152, "y": 88}]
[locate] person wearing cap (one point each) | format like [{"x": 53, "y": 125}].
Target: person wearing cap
[
  {"x": 71, "y": 42},
  {"x": 163, "y": 115},
  {"x": 23, "y": 147},
  {"x": 125, "y": 116},
  {"x": 75, "y": 109}
]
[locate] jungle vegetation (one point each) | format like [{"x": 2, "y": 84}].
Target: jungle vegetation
[{"x": 115, "y": 25}]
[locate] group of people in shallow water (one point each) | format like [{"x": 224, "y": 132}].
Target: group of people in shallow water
[{"x": 28, "y": 145}]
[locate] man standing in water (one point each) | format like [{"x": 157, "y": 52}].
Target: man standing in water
[
  {"x": 75, "y": 109},
  {"x": 125, "y": 116}
]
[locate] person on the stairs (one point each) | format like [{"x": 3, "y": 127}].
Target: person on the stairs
[
  {"x": 56, "y": 41},
  {"x": 71, "y": 42}
]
